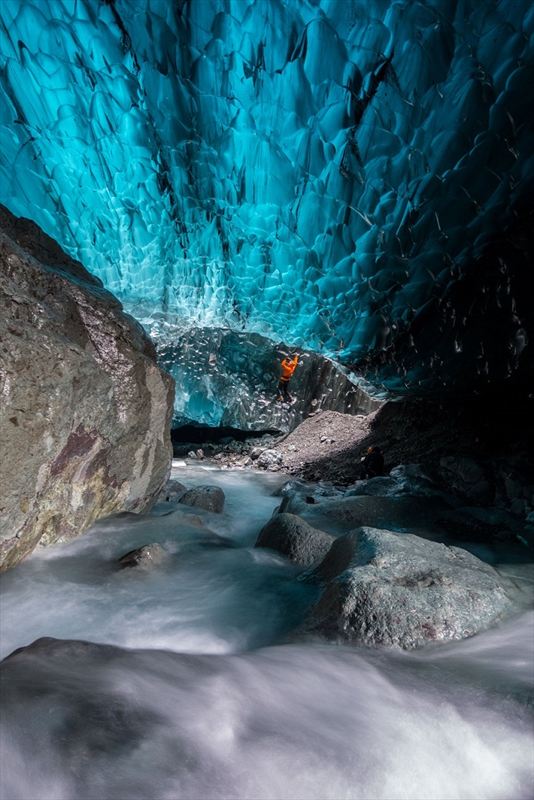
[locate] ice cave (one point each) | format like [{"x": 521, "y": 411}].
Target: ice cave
[{"x": 267, "y": 399}]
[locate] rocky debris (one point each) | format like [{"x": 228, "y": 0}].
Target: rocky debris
[
  {"x": 210, "y": 498},
  {"x": 232, "y": 453},
  {"x": 319, "y": 438},
  {"x": 147, "y": 556},
  {"x": 270, "y": 459},
  {"x": 396, "y": 589},
  {"x": 172, "y": 491},
  {"x": 85, "y": 409},
  {"x": 295, "y": 538}
]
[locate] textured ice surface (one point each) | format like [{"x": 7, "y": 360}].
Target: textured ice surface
[
  {"x": 333, "y": 173},
  {"x": 230, "y": 378}
]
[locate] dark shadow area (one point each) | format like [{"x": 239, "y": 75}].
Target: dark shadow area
[
  {"x": 491, "y": 427},
  {"x": 187, "y": 437}
]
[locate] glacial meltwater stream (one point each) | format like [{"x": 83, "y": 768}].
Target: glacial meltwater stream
[{"x": 198, "y": 689}]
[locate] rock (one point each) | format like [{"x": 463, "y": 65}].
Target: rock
[
  {"x": 269, "y": 459},
  {"x": 146, "y": 556},
  {"x": 484, "y": 524},
  {"x": 172, "y": 491},
  {"x": 90, "y": 717},
  {"x": 85, "y": 409},
  {"x": 466, "y": 477},
  {"x": 210, "y": 498},
  {"x": 294, "y": 538},
  {"x": 406, "y": 479},
  {"x": 191, "y": 454},
  {"x": 290, "y": 487},
  {"x": 379, "y": 486},
  {"x": 400, "y": 513},
  {"x": 200, "y": 453},
  {"x": 386, "y": 588}
]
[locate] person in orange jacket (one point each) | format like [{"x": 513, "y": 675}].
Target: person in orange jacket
[{"x": 288, "y": 366}]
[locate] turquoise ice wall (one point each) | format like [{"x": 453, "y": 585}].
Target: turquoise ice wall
[{"x": 325, "y": 171}]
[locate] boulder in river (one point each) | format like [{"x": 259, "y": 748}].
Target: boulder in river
[
  {"x": 172, "y": 491},
  {"x": 85, "y": 408},
  {"x": 385, "y": 588},
  {"x": 147, "y": 556},
  {"x": 293, "y": 537},
  {"x": 210, "y": 498}
]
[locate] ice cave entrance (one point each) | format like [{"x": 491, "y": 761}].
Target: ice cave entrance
[{"x": 227, "y": 380}]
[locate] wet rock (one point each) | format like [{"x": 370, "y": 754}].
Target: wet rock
[
  {"x": 85, "y": 409},
  {"x": 406, "y": 479},
  {"x": 172, "y": 491},
  {"x": 380, "y": 486},
  {"x": 88, "y": 718},
  {"x": 294, "y": 538},
  {"x": 291, "y": 487},
  {"x": 147, "y": 556},
  {"x": 210, "y": 498},
  {"x": 395, "y": 589}
]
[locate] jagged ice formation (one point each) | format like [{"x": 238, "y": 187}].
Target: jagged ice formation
[{"x": 350, "y": 176}]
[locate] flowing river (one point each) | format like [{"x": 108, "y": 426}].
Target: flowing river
[{"x": 206, "y": 694}]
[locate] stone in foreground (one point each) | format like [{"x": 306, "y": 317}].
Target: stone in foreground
[
  {"x": 396, "y": 589},
  {"x": 210, "y": 498},
  {"x": 85, "y": 409},
  {"x": 293, "y": 537}
]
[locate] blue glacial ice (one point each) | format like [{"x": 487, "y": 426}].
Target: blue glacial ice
[
  {"x": 229, "y": 378},
  {"x": 351, "y": 177}
]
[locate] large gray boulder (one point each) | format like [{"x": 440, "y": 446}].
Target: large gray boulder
[
  {"x": 210, "y": 498},
  {"x": 294, "y": 538},
  {"x": 385, "y": 588},
  {"x": 85, "y": 409}
]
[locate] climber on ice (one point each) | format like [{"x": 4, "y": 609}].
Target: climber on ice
[{"x": 288, "y": 367}]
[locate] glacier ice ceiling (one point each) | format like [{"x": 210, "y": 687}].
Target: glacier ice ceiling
[{"x": 352, "y": 176}]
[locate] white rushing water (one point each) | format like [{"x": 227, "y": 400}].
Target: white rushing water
[{"x": 211, "y": 699}]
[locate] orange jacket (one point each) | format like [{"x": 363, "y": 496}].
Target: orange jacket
[{"x": 288, "y": 368}]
